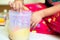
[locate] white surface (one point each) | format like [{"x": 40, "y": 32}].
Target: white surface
[
  {"x": 5, "y": 2},
  {"x": 33, "y": 1},
  {"x": 36, "y": 36},
  {"x": 4, "y": 32},
  {"x": 2, "y": 37}
]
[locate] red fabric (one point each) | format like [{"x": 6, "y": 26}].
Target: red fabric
[
  {"x": 54, "y": 25},
  {"x": 36, "y": 7},
  {"x": 45, "y": 26}
]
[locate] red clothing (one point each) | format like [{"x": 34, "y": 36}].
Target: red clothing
[{"x": 48, "y": 25}]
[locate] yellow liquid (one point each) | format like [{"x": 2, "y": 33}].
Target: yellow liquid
[
  {"x": 2, "y": 20},
  {"x": 22, "y": 34}
]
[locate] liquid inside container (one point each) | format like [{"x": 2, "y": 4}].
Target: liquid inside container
[{"x": 19, "y": 25}]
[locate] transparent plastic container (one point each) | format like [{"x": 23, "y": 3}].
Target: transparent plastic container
[{"x": 19, "y": 25}]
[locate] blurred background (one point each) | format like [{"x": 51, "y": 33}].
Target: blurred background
[{"x": 4, "y": 8}]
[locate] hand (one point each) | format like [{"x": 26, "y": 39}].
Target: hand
[
  {"x": 36, "y": 18},
  {"x": 18, "y": 5}
]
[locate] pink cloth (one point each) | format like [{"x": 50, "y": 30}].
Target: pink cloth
[{"x": 48, "y": 25}]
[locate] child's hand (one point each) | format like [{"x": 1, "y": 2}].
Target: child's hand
[
  {"x": 18, "y": 5},
  {"x": 36, "y": 18}
]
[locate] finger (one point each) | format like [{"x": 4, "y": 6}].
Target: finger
[
  {"x": 25, "y": 8},
  {"x": 17, "y": 6},
  {"x": 31, "y": 21},
  {"x": 36, "y": 23},
  {"x": 21, "y": 6},
  {"x": 33, "y": 24},
  {"x": 10, "y": 3},
  {"x": 14, "y": 6}
]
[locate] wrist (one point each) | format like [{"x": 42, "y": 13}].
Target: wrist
[{"x": 41, "y": 13}]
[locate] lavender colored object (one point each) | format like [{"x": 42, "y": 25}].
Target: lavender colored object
[{"x": 20, "y": 19}]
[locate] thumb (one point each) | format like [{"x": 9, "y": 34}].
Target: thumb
[{"x": 25, "y": 8}]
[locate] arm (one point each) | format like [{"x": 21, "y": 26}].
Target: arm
[
  {"x": 37, "y": 16},
  {"x": 50, "y": 11}
]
